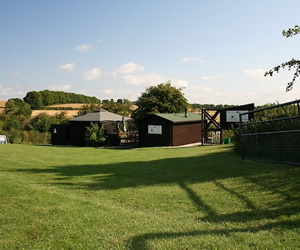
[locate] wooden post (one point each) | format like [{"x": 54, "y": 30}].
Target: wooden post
[{"x": 221, "y": 136}]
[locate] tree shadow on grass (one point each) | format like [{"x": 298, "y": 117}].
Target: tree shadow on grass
[
  {"x": 281, "y": 180},
  {"x": 210, "y": 167},
  {"x": 141, "y": 241}
]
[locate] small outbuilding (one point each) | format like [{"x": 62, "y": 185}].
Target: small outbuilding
[
  {"x": 104, "y": 118},
  {"x": 170, "y": 129},
  {"x": 75, "y": 132}
]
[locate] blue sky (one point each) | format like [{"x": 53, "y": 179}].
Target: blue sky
[{"x": 216, "y": 50}]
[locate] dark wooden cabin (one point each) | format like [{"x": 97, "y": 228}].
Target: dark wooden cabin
[
  {"x": 104, "y": 118},
  {"x": 74, "y": 133},
  {"x": 170, "y": 129}
]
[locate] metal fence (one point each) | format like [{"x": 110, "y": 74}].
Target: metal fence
[{"x": 273, "y": 135}]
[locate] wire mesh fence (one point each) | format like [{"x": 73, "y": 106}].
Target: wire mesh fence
[{"x": 273, "y": 136}]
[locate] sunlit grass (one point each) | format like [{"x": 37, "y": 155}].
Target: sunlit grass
[{"x": 145, "y": 198}]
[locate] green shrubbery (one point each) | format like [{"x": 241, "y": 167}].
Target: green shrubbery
[
  {"x": 22, "y": 128},
  {"x": 28, "y": 137},
  {"x": 95, "y": 135}
]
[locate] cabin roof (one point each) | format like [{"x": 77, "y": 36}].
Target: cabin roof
[
  {"x": 180, "y": 117},
  {"x": 100, "y": 116}
]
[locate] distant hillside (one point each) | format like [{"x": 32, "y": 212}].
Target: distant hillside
[{"x": 39, "y": 99}]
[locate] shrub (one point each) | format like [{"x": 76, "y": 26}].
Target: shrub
[
  {"x": 34, "y": 137},
  {"x": 95, "y": 135},
  {"x": 14, "y": 136}
]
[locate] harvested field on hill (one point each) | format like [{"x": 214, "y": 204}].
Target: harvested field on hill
[
  {"x": 68, "y": 105},
  {"x": 69, "y": 113},
  {"x": 2, "y": 105}
]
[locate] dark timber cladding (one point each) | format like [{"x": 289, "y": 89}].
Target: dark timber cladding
[
  {"x": 78, "y": 125},
  {"x": 170, "y": 129},
  {"x": 60, "y": 134}
]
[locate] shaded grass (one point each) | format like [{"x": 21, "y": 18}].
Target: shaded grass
[{"x": 147, "y": 198}]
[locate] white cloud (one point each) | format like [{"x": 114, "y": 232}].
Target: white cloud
[
  {"x": 106, "y": 91},
  {"x": 100, "y": 41},
  {"x": 5, "y": 91},
  {"x": 68, "y": 66},
  {"x": 128, "y": 68},
  {"x": 192, "y": 59},
  {"x": 148, "y": 79},
  {"x": 236, "y": 96},
  {"x": 255, "y": 73},
  {"x": 198, "y": 94},
  {"x": 119, "y": 94},
  {"x": 153, "y": 79},
  {"x": 210, "y": 77},
  {"x": 92, "y": 74},
  {"x": 84, "y": 47},
  {"x": 180, "y": 83},
  {"x": 16, "y": 74},
  {"x": 60, "y": 87}
]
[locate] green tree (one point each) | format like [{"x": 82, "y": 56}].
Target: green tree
[
  {"x": 12, "y": 122},
  {"x": 35, "y": 100},
  {"x": 16, "y": 106},
  {"x": 46, "y": 97},
  {"x": 162, "y": 98},
  {"x": 42, "y": 122},
  {"x": 121, "y": 107},
  {"x": 88, "y": 108},
  {"x": 289, "y": 64}
]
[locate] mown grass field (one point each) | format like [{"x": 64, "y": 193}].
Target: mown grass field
[{"x": 145, "y": 198}]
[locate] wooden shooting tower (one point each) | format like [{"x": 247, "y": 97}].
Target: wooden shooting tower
[{"x": 217, "y": 120}]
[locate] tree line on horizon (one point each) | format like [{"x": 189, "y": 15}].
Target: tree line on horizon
[
  {"x": 35, "y": 100},
  {"x": 40, "y": 99}
]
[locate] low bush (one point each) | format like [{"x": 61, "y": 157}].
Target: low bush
[
  {"x": 95, "y": 135},
  {"x": 34, "y": 137}
]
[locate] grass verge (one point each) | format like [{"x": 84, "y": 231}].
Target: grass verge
[{"x": 145, "y": 198}]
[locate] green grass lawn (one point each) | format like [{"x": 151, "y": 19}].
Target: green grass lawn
[{"x": 145, "y": 198}]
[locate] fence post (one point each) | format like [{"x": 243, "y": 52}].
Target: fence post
[
  {"x": 202, "y": 126},
  {"x": 280, "y": 148},
  {"x": 241, "y": 136}
]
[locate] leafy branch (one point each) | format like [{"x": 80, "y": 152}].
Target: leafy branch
[
  {"x": 291, "y": 32},
  {"x": 292, "y": 64}
]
